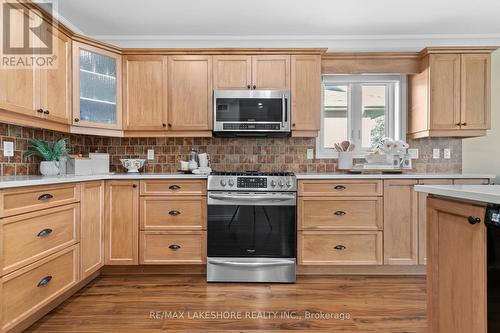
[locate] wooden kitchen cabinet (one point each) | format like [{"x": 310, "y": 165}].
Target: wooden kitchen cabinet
[
  {"x": 97, "y": 87},
  {"x": 456, "y": 268},
  {"x": 271, "y": 72},
  {"x": 422, "y": 217},
  {"x": 400, "y": 222},
  {"x": 145, "y": 92},
  {"x": 232, "y": 72},
  {"x": 451, "y": 96},
  {"x": 92, "y": 226},
  {"x": 190, "y": 93},
  {"x": 121, "y": 231},
  {"x": 306, "y": 94}
]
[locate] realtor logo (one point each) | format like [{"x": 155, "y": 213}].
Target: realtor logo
[{"x": 27, "y": 40}]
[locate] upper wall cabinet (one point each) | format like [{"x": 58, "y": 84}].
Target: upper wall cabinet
[
  {"x": 39, "y": 92},
  {"x": 96, "y": 87},
  {"x": 252, "y": 72},
  {"x": 306, "y": 94},
  {"x": 190, "y": 93},
  {"x": 145, "y": 92},
  {"x": 451, "y": 96}
]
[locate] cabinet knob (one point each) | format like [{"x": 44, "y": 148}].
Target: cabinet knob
[
  {"x": 39, "y": 110},
  {"x": 174, "y": 187},
  {"x": 474, "y": 220},
  {"x": 46, "y": 112},
  {"x": 76, "y": 120},
  {"x": 134, "y": 185},
  {"x": 45, "y": 281},
  {"x": 339, "y": 187},
  {"x": 174, "y": 213},
  {"x": 45, "y": 196},
  {"x": 458, "y": 124},
  {"x": 340, "y": 213},
  {"x": 169, "y": 125},
  {"x": 164, "y": 125},
  {"x": 463, "y": 124},
  {"x": 293, "y": 125},
  {"x": 44, "y": 232},
  {"x": 174, "y": 247},
  {"x": 249, "y": 86},
  {"x": 340, "y": 247},
  {"x": 254, "y": 86}
]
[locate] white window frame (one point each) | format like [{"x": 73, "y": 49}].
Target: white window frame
[{"x": 396, "y": 111}]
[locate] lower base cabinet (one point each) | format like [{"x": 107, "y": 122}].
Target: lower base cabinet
[
  {"x": 456, "y": 268},
  {"x": 173, "y": 247},
  {"x": 34, "y": 286},
  {"x": 340, "y": 248}
]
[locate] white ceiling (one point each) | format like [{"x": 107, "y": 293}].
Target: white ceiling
[{"x": 356, "y": 25}]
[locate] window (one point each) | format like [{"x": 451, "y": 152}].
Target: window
[{"x": 362, "y": 109}]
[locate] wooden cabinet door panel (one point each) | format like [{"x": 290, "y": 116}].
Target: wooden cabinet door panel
[
  {"x": 122, "y": 223},
  {"x": 271, "y": 72},
  {"x": 444, "y": 91},
  {"x": 422, "y": 217},
  {"x": 232, "y": 72},
  {"x": 306, "y": 92},
  {"x": 55, "y": 87},
  {"x": 92, "y": 242},
  {"x": 190, "y": 92},
  {"x": 400, "y": 223},
  {"x": 456, "y": 269},
  {"x": 475, "y": 91},
  {"x": 145, "y": 92}
]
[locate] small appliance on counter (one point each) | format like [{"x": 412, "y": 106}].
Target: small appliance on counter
[
  {"x": 251, "y": 229},
  {"x": 197, "y": 164}
]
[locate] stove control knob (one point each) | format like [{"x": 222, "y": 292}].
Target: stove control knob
[
  {"x": 222, "y": 182},
  {"x": 273, "y": 183},
  {"x": 289, "y": 183},
  {"x": 280, "y": 183},
  {"x": 231, "y": 182}
]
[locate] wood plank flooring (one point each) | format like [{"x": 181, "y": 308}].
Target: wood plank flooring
[{"x": 142, "y": 303}]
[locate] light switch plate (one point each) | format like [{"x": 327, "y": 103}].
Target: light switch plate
[
  {"x": 8, "y": 148},
  {"x": 310, "y": 154},
  {"x": 447, "y": 153},
  {"x": 151, "y": 154},
  {"x": 436, "y": 153},
  {"x": 413, "y": 152}
]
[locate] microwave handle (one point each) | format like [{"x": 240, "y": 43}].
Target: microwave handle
[{"x": 283, "y": 110}]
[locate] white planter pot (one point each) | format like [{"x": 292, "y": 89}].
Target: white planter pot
[{"x": 49, "y": 168}]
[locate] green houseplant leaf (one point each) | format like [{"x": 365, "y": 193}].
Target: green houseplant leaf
[{"x": 47, "y": 151}]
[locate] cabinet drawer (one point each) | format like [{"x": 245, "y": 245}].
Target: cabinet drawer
[
  {"x": 173, "y": 247},
  {"x": 173, "y": 187},
  {"x": 32, "y": 287},
  {"x": 32, "y": 236},
  {"x": 28, "y": 199},
  {"x": 337, "y": 188},
  {"x": 173, "y": 213},
  {"x": 340, "y": 248},
  {"x": 332, "y": 213}
]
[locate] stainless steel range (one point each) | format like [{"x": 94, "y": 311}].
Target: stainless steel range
[{"x": 251, "y": 227}]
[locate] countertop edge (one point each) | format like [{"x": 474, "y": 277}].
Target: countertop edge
[
  {"x": 395, "y": 176},
  {"x": 463, "y": 192}
]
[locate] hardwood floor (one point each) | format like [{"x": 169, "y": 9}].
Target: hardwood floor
[{"x": 129, "y": 303}]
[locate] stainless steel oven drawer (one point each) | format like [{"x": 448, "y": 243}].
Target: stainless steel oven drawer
[{"x": 281, "y": 270}]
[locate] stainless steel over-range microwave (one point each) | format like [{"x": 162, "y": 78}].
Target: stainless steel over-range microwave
[{"x": 251, "y": 113}]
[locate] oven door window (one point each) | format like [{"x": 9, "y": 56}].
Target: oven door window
[
  {"x": 249, "y": 109},
  {"x": 251, "y": 231}
]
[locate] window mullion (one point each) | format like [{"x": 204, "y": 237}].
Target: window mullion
[{"x": 355, "y": 114}]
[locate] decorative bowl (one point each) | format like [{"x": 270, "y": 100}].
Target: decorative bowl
[{"x": 132, "y": 164}]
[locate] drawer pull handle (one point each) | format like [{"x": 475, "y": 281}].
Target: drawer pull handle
[
  {"x": 45, "y": 281},
  {"x": 174, "y": 247},
  {"x": 340, "y": 247},
  {"x": 45, "y": 196},
  {"x": 174, "y": 187},
  {"x": 44, "y": 232},
  {"x": 340, "y": 213},
  {"x": 339, "y": 187},
  {"x": 474, "y": 220},
  {"x": 174, "y": 213}
]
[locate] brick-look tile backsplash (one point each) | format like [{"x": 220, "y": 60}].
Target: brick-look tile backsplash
[{"x": 227, "y": 154}]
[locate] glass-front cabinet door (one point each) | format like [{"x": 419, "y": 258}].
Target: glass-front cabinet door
[{"x": 97, "y": 87}]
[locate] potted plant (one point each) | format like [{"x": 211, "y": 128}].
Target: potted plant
[{"x": 50, "y": 153}]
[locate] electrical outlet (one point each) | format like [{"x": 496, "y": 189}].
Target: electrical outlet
[
  {"x": 447, "y": 153},
  {"x": 310, "y": 154},
  {"x": 8, "y": 148},
  {"x": 436, "y": 153},
  {"x": 151, "y": 154},
  {"x": 413, "y": 152}
]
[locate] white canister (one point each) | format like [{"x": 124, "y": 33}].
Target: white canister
[
  {"x": 203, "y": 160},
  {"x": 345, "y": 160},
  {"x": 49, "y": 168}
]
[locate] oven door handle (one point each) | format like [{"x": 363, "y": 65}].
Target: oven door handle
[
  {"x": 250, "y": 197},
  {"x": 251, "y": 264},
  {"x": 252, "y": 200}
]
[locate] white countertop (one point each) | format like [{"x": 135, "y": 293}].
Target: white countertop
[
  {"x": 481, "y": 193},
  {"x": 20, "y": 181}
]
